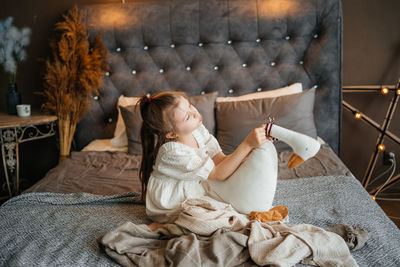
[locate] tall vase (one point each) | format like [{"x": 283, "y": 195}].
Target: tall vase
[
  {"x": 13, "y": 98},
  {"x": 66, "y": 130}
]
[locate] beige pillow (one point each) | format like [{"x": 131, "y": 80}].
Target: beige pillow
[
  {"x": 291, "y": 89},
  {"x": 103, "y": 145},
  {"x": 236, "y": 119}
]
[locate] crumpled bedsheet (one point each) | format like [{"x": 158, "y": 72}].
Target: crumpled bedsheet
[{"x": 211, "y": 233}]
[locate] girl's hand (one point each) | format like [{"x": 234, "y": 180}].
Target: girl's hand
[{"x": 256, "y": 137}]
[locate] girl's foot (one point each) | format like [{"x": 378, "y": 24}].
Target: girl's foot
[
  {"x": 304, "y": 146},
  {"x": 155, "y": 225}
]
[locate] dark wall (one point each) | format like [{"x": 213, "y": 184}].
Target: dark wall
[
  {"x": 40, "y": 16},
  {"x": 36, "y": 157},
  {"x": 371, "y": 55}
]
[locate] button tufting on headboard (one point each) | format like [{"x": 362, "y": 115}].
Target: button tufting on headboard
[{"x": 233, "y": 47}]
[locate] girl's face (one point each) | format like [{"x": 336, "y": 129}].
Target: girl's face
[{"x": 185, "y": 117}]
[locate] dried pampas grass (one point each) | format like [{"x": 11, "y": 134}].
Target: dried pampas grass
[{"x": 72, "y": 76}]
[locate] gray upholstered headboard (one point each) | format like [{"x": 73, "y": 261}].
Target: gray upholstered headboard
[{"x": 231, "y": 46}]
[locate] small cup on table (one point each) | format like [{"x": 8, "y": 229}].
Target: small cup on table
[{"x": 24, "y": 110}]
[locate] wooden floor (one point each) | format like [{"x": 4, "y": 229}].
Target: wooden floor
[{"x": 391, "y": 208}]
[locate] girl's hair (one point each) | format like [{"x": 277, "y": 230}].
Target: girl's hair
[{"x": 156, "y": 124}]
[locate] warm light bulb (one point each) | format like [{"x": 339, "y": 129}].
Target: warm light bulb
[
  {"x": 398, "y": 91},
  {"x": 373, "y": 197},
  {"x": 381, "y": 147},
  {"x": 357, "y": 115},
  {"x": 385, "y": 91}
]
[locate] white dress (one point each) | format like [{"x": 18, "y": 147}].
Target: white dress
[{"x": 178, "y": 174}]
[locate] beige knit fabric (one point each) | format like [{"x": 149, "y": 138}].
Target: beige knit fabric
[{"x": 207, "y": 220}]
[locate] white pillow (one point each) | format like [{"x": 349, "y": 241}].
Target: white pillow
[
  {"x": 288, "y": 90},
  {"x": 103, "y": 145},
  {"x": 321, "y": 141},
  {"x": 120, "y": 138}
]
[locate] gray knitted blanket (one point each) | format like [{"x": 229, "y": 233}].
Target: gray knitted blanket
[{"x": 45, "y": 229}]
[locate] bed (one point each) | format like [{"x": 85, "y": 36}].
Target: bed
[{"x": 240, "y": 61}]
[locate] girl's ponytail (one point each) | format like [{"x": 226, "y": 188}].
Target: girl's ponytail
[
  {"x": 147, "y": 138},
  {"x": 148, "y": 157},
  {"x": 155, "y": 126}
]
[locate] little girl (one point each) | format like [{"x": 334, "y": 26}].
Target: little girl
[{"x": 182, "y": 160}]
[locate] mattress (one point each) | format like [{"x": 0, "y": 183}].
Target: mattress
[{"x": 110, "y": 173}]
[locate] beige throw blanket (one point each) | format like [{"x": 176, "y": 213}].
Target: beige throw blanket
[{"x": 211, "y": 233}]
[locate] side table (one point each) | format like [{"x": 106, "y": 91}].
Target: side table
[{"x": 15, "y": 130}]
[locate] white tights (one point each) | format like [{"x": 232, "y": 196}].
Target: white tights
[{"x": 252, "y": 186}]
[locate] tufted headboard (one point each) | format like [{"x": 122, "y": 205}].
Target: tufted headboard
[{"x": 230, "y": 46}]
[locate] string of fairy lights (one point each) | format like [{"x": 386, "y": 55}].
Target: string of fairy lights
[{"x": 383, "y": 130}]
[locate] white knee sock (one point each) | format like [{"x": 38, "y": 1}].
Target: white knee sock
[
  {"x": 303, "y": 146},
  {"x": 252, "y": 186}
]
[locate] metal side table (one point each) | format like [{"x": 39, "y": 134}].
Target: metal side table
[{"x": 15, "y": 130}]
